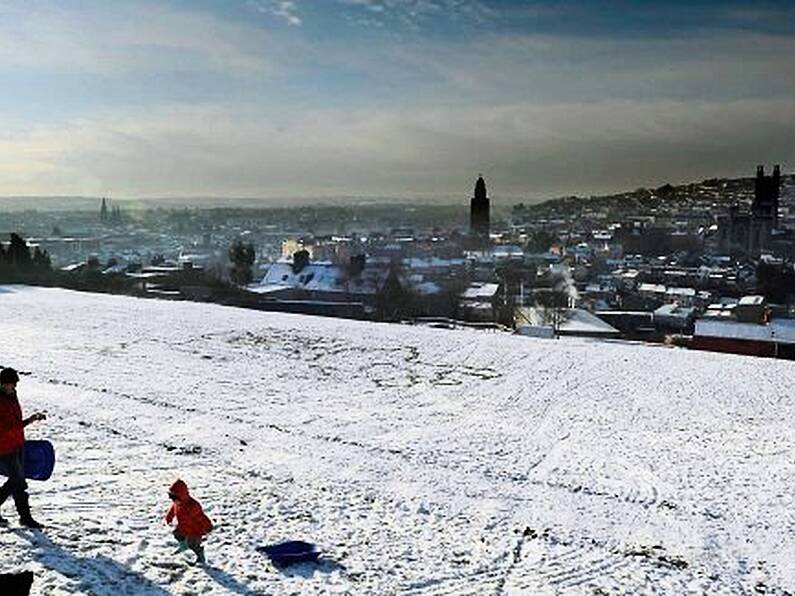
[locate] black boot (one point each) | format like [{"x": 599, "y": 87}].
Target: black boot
[
  {"x": 31, "y": 523},
  {"x": 5, "y": 491},
  {"x": 23, "y": 508}
]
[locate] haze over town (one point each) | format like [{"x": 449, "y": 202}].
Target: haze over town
[{"x": 391, "y": 99}]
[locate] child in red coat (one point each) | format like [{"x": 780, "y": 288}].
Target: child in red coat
[{"x": 192, "y": 523}]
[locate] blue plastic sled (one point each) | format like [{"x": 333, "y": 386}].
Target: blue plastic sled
[
  {"x": 39, "y": 460},
  {"x": 291, "y": 552}
]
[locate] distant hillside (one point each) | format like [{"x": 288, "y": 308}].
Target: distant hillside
[{"x": 714, "y": 190}]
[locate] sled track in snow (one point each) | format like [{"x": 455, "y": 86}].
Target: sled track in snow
[
  {"x": 572, "y": 569},
  {"x": 484, "y": 580},
  {"x": 425, "y": 459},
  {"x": 579, "y": 571}
]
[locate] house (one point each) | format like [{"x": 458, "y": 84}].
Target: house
[
  {"x": 745, "y": 328},
  {"x": 751, "y": 309},
  {"x": 684, "y": 296},
  {"x": 633, "y": 324},
  {"x": 652, "y": 291},
  {"x": 775, "y": 339},
  {"x": 375, "y": 285},
  {"x": 674, "y": 317},
  {"x": 504, "y": 252},
  {"x": 479, "y": 302},
  {"x": 534, "y": 321}
]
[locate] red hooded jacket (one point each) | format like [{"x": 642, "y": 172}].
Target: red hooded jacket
[
  {"x": 191, "y": 520},
  {"x": 12, "y": 429}
]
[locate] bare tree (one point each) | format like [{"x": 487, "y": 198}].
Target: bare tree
[
  {"x": 555, "y": 300},
  {"x": 242, "y": 257}
]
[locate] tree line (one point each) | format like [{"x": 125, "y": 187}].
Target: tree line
[{"x": 18, "y": 262}]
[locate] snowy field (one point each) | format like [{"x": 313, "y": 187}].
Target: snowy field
[{"x": 422, "y": 461}]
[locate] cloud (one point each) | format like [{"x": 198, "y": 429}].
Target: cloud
[
  {"x": 417, "y": 14},
  {"x": 525, "y": 151},
  {"x": 288, "y": 114},
  {"x": 283, "y": 9},
  {"x": 412, "y": 14},
  {"x": 110, "y": 38},
  {"x": 496, "y": 69}
]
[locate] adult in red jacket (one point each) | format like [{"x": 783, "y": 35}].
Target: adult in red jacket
[
  {"x": 192, "y": 523},
  {"x": 12, "y": 440}
]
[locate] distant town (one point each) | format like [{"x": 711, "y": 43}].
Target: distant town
[{"x": 707, "y": 265}]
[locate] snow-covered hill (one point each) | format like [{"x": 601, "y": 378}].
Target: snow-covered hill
[{"x": 423, "y": 461}]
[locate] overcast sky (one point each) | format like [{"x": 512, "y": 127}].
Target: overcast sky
[{"x": 274, "y": 98}]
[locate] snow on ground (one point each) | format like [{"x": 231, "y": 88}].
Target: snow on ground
[{"x": 423, "y": 461}]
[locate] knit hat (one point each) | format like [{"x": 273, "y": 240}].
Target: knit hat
[{"x": 8, "y": 375}]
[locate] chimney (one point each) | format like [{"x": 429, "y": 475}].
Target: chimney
[{"x": 300, "y": 260}]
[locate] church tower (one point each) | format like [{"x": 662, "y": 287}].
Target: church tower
[
  {"x": 479, "y": 217},
  {"x": 103, "y": 211},
  {"x": 767, "y": 191}
]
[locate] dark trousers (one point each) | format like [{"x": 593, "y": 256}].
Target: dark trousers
[
  {"x": 15, "y": 486},
  {"x": 195, "y": 544}
]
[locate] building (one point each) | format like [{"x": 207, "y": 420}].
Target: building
[
  {"x": 536, "y": 321},
  {"x": 775, "y": 339},
  {"x": 323, "y": 287},
  {"x": 479, "y": 215},
  {"x": 766, "y": 195},
  {"x": 638, "y": 324},
  {"x": 675, "y": 318},
  {"x": 749, "y": 233},
  {"x": 290, "y": 246},
  {"x": 745, "y": 327},
  {"x": 480, "y": 302}
]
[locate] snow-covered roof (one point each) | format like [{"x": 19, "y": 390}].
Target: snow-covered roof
[
  {"x": 575, "y": 321},
  {"x": 321, "y": 277},
  {"x": 676, "y": 311},
  {"x": 161, "y": 269},
  {"x": 480, "y": 291},
  {"x": 73, "y": 267},
  {"x": 652, "y": 288},
  {"x": 752, "y": 301},
  {"x": 683, "y": 292},
  {"x": 715, "y": 306},
  {"x": 144, "y": 275},
  {"x": 267, "y": 289},
  {"x": 431, "y": 262},
  {"x": 595, "y": 287},
  {"x": 777, "y": 330},
  {"x": 427, "y": 288},
  {"x": 194, "y": 258},
  {"x": 503, "y": 250},
  {"x": 581, "y": 321}
]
